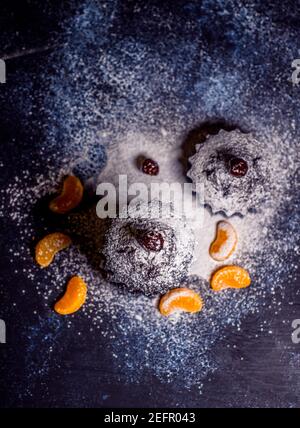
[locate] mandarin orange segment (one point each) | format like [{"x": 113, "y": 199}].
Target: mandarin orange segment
[
  {"x": 49, "y": 246},
  {"x": 230, "y": 277},
  {"x": 225, "y": 242},
  {"x": 74, "y": 297},
  {"x": 70, "y": 198},
  {"x": 180, "y": 299}
]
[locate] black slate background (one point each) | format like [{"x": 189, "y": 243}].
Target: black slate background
[{"x": 29, "y": 29}]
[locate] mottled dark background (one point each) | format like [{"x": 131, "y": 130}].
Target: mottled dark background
[{"x": 82, "y": 374}]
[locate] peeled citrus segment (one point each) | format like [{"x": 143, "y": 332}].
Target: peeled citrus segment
[
  {"x": 230, "y": 277},
  {"x": 70, "y": 197},
  {"x": 225, "y": 243},
  {"x": 73, "y": 298},
  {"x": 180, "y": 299},
  {"x": 49, "y": 246}
]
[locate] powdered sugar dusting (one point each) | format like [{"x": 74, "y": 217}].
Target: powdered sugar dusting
[{"x": 121, "y": 90}]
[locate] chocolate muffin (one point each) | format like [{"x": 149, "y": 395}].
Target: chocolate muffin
[
  {"x": 234, "y": 169},
  {"x": 148, "y": 255}
]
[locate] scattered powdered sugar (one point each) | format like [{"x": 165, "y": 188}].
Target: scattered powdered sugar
[
  {"x": 165, "y": 347},
  {"x": 123, "y": 99}
]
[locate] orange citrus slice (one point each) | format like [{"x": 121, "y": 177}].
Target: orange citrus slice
[
  {"x": 70, "y": 198},
  {"x": 49, "y": 246},
  {"x": 73, "y": 298},
  {"x": 230, "y": 277},
  {"x": 225, "y": 242},
  {"x": 180, "y": 299}
]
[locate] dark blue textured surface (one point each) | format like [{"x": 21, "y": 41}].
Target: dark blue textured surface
[{"x": 236, "y": 53}]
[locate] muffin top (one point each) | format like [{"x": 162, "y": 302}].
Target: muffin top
[
  {"x": 233, "y": 168},
  {"x": 148, "y": 255}
]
